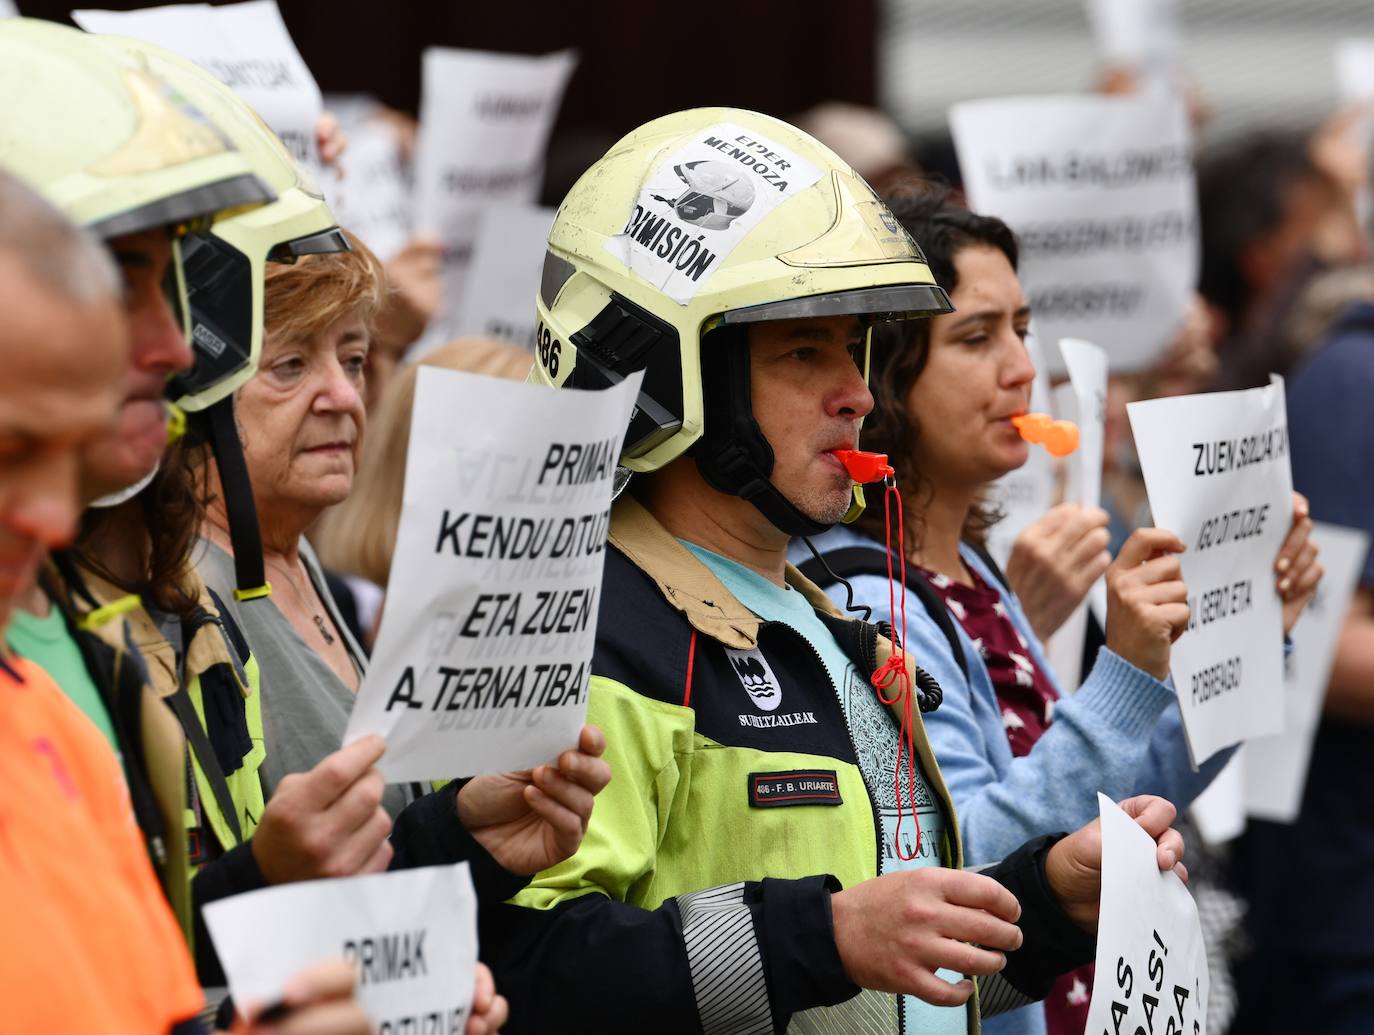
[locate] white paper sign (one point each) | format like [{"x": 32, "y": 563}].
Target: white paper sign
[
  {"x": 1140, "y": 34},
  {"x": 1219, "y": 811},
  {"x": 1355, "y": 69},
  {"x": 1082, "y": 400},
  {"x": 1217, "y": 473},
  {"x": 485, "y": 121},
  {"x": 411, "y": 935},
  {"x": 1151, "y": 962},
  {"x": 373, "y": 197},
  {"x": 1025, "y": 494},
  {"x": 1100, "y": 191},
  {"x": 246, "y": 46},
  {"x": 508, "y": 259},
  {"x": 485, "y": 647},
  {"x": 1276, "y": 767},
  {"x": 701, "y": 201}
]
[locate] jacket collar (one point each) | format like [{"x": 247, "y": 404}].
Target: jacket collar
[{"x": 690, "y": 586}]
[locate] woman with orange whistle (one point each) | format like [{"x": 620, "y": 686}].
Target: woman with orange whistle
[{"x": 1020, "y": 758}]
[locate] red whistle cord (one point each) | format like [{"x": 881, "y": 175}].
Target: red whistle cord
[{"x": 893, "y": 672}]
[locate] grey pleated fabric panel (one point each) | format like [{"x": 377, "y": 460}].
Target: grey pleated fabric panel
[
  {"x": 868, "y": 1013},
  {"x": 997, "y": 995},
  {"x": 723, "y": 955}
]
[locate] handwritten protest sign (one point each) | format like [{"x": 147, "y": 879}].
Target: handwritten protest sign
[
  {"x": 1276, "y": 767},
  {"x": 485, "y": 121},
  {"x": 1151, "y": 962},
  {"x": 485, "y": 647},
  {"x": 1100, "y": 191},
  {"x": 1023, "y": 495},
  {"x": 373, "y": 198},
  {"x": 508, "y": 259},
  {"x": 411, "y": 935},
  {"x": 1217, "y": 473},
  {"x": 246, "y": 46},
  {"x": 1083, "y": 400},
  {"x": 701, "y": 201}
]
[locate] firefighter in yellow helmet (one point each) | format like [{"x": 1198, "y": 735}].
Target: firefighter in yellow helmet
[{"x": 777, "y": 851}]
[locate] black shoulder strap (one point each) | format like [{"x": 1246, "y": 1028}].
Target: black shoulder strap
[
  {"x": 185, "y": 711},
  {"x": 850, "y": 561},
  {"x": 992, "y": 566}
]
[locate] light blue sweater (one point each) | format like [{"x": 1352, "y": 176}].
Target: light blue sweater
[{"x": 1120, "y": 734}]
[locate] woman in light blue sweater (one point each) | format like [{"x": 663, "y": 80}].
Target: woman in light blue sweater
[{"x": 1020, "y": 757}]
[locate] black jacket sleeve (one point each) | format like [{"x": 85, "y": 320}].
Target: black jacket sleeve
[
  {"x": 1053, "y": 944},
  {"x": 429, "y": 833},
  {"x": 727, "y": 958},
  {"x": 233, "y": 873}
]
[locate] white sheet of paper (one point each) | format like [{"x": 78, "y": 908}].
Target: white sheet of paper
[
  {"x": 1276, "y": 767},
  {"x": 1219, "y": 811},
  {"x": 485, "y": 121},
  {"x": 373, "y": 197},
  {"x": 1100, "y": 191},
  {"x": 245, "y": 46},
  {"x": 701, "y": 201},
  {"x": 1217, "y": 473},
  {"x": 1151, "y": 961},
  {"x": 1025, "y": 494},
  {"x": 1141, "y": 34},
  {"x": 507, "y": 262},
  {"x": 484, "y": 651},
  {"x": 411, "y": 935},
  {"x": 1355, "y": 69},
  {"x": 1083, "y": 400}
]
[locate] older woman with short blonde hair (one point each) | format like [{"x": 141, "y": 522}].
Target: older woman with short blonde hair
[{"x": 301, "y": 420}]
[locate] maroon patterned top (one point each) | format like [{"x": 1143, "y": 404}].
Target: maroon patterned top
[{"x": 1024, "y": 694}]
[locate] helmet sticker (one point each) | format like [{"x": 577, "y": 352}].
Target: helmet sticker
[{"x": 701, "y": 201}]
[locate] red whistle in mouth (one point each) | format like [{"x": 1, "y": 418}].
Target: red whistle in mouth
[{"x": 864, "y": 468}]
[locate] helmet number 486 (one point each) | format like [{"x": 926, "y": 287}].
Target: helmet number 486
[{"x": 549, "y": 348}]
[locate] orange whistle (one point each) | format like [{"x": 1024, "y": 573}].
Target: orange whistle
[
  {"x": 865, "y": 468},
  {"x": 1059, "y": 437}
]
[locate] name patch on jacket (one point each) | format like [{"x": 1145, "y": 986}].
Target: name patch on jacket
[{"x": 798, "y": 787}]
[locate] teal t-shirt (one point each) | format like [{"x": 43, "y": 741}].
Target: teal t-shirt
[
  {"x": 47, "y": 642},
  {"x": 876, "y": 737}
]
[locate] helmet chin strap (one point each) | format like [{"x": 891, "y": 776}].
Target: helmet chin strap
[
  {"x": 732, "y": 454},
  {"x": 216, "y": 425},
  {"x": 114, "y": 499}
]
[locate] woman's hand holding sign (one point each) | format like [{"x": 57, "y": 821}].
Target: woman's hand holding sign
[
  {"x": 1297, "y": 572},
  {"x": 536, "y": 818},
  {"x": 1147, "y": 601}
]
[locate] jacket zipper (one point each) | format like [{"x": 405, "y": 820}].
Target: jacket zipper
[{"x": 848, "y": 732}]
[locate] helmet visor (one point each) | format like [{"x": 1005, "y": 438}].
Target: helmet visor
[
  {"x": 220, "y": 284},
  {"x": 198, "y": 206},
  {"x": 895, "y": 302},
  {"x": 326, "y": 242}
]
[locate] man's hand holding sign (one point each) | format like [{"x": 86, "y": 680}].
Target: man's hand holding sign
[{"x": 896, "y": 931}]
